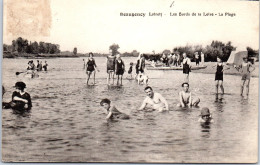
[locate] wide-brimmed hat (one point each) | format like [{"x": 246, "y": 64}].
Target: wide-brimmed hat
[
  {"x": 204, "y": 111},
  {"x": 20, "y": 85}
]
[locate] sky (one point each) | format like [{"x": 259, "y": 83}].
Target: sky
[{"x": 92, "y": 26}]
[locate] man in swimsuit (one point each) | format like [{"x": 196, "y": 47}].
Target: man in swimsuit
[
  {"x": 186, "y": 67},
  {"x": 244, "y": 68},
  {"x": 156, "y": 100},
  {"x": 185, "y": 97}
]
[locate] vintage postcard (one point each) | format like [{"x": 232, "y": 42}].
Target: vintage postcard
[{"x": 133, "y": 81}]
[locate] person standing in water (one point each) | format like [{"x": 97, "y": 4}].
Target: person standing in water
[
  {"x": 91, "y": 67},
  {"x": 156, "y": 100},
  {"x": 244, "y": 68},
  {"x": 120, "y": 68},
  {"x": 219, "y": 76},
  {"x": 186, "y": 67},
  {"x": 140, "y": 65},
  {"x": 45, "y": 66},
  {"x": 110, "y": 67},
  {"x": 21, "y": 100}
]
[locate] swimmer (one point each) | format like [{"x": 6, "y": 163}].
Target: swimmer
[
  {"x": 110, "y": 67},
  {"x": 120, "y": 68},
  {"x": 91, "y": 67},
  {"x": 186, "y": 67},
  {"x": 244, "y": 68},
  {"x": 21, "y": 100},
  {"x": 185, "y": 97},
  {"x": 112, "y": 112},
  {"x": 205, "y": 116},
  {"x": 156, "y": 100}
]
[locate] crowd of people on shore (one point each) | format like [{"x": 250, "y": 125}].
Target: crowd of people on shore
[
  {"x": 21, "y": 100},
  {"x": 176, "y": 59}
]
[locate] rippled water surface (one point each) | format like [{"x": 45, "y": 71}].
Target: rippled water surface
[{"x": 67, "y": 124}]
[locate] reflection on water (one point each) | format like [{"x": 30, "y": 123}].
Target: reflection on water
[{"x": 67, "y": 124}]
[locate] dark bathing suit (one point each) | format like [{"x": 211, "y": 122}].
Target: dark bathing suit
[
  {"x": 142, "y": 63},
  {"x": 117, "y": 114},
  {"x": 120, "y": 67},
  {"x": 219, "y": 73},
  {"x": 111, "y": 63},
  {"x": 91, "y": 65},
  {"x": 130, "y": 70},
  {"x": 19, "y": 105},
  {"x": 186, "y": 68}
]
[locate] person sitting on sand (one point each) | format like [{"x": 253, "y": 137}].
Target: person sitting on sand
[
  {"x": 142, "y": 78},
  {"x": 21, "y": 100},
  {"x": 205, "y": 116},
  {"x": 156, "y": 100},
  {"x": 112, "y": 112},
  {"x": 185, "y": 97}
]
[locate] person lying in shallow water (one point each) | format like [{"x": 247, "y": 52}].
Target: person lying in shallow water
[
  {"x": 112, "y": 112},
  {"x": 185, "y": 97},
  {"x": 156, "y": 100}
]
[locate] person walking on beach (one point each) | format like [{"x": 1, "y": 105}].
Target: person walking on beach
[
  {"x": 130, "y": 70},
  {"x": 91, "y": 67},
  {"x": 185, "y": 97},
  {"x": 110, "y": 67},
  {"x": 245, "y": 69},
  {"x": 186, "y": 67},
  {"x": 120, "y": 68},
  {"x": 156, "y": 100},
  {"x": 219, "y": 76}
]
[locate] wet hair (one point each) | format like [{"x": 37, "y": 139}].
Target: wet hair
[
  {"x": 131, "y": 63},
  {"x": 20, "y": 85},
  {"x": 91, "y": 54},
  {"x": 184, "y": 84},
  {"x": 148, "y": 87},
  {"x": 105, "y": 101}
]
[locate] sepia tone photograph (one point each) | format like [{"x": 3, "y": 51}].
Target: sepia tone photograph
[{"x": 133, "y": 81}]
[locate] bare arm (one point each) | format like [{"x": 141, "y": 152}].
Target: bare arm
[
  {"x": 20, "y": 99},
  {"x": 163, "y": 100},
  {"x": 190, "y": 103},
  {"x": 250, "y": 65},
  {"x": 109, "y": 115},
  {"x": 143, "y": 105},
  {"x": 181, "y": 99}
]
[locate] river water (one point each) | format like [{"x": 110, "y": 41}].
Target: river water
[{"x": 67, "y": 124}]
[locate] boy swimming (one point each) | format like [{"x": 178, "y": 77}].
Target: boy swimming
[
  {"x": 185, "y": 97},
  {"x": 205, "y": 116},
  {"x": 112, "y": 112}
]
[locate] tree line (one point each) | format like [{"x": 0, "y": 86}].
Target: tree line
[{"x": 21, "y": 45}]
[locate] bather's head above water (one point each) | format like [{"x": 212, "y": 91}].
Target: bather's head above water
[{"x": 149, "y": 91}]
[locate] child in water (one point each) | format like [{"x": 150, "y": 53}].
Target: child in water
[
  {"x": 205, "y": 116},
  {"x": 112, "y": 112},
  {"x": 130, "y": 71}
]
